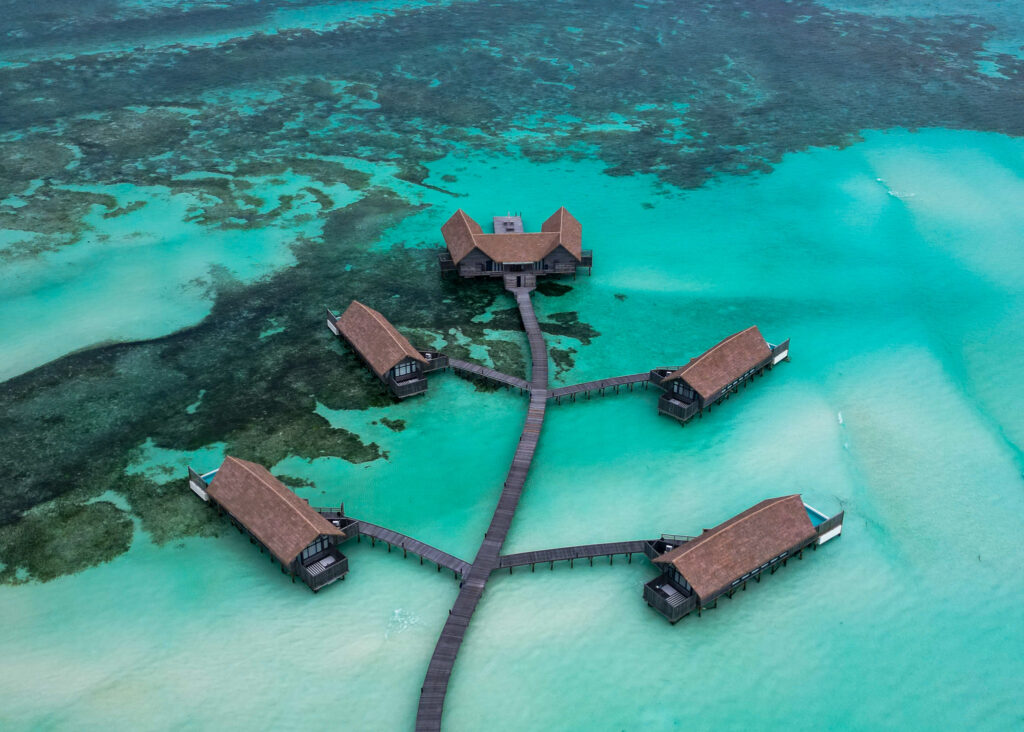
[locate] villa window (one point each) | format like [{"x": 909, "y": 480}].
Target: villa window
[
  {"x": 315, "y": 548},
  {"x": 682, "y": 389},
  {"x": 404, "y": 370}
]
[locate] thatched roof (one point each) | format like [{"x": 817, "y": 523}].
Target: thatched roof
[
  {"x": 375, "y": 338},
  {"x": 268, "y": 509},
  {"x": 712, "y": 561},
  {"x": 570, "y": 232},
  {"x": 462, "y": 235},
  {"x": 724, "y": 363},
  {"x": 459, "y": 232}
]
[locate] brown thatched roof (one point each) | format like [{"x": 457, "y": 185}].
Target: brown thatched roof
[
  {"x": 712, "y": 561},
  {"x": 570, "y": 232},
  {"x": 462, "y": 235},
  {"x": 458, "y": 233},
  {"x": 724, "y": 363},
  {"x": 268, "y": 509},
  {"x": 375, "y": 338}
]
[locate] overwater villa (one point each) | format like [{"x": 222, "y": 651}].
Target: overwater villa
[
  {"x": 387, "y": 353},
  {"x": 556, "y": 249},
  {"x": 696, "y": 572},
  {"x": 716, "y": 373},
  {"x": 275, "y": 519}
]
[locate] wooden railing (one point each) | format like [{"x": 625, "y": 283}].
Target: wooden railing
[
  {"x": 668, "y": 405},
  {"x": 677, "y": 538},
  {"x": 402, "y": 389},
  {"x": 444, "y": 259},
  {"x": 435, "y": 361},
  {"x": 660, "y": 603},
  {"x": 328, "y": 575},
  {"x": 587, "y": 257},
  {"x": 830, "y": 523}
]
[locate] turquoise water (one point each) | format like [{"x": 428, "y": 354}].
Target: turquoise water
[
  {"x": 890, "y": 409},
  {"x": 896, "y": 266}
]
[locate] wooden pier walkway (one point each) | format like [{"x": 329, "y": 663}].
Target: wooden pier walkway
[
  {"x": 572, "y": 553},
  {"x": 489, "y": 374},
  {"x": 616, "y": 382},
  {"x": 435, "y": 685},
  {"x": 408, "y": 544}
]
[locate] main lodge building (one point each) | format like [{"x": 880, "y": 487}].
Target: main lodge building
[{"x": 556, "y": 249}]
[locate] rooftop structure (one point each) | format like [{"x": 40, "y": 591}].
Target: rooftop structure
[
  {"x": 556, "y": 249},
  {"x": 716, "y": 373},
  {"x": 384, "y": 350},
  {"x": 299, "y": 538},
  {"x": 719, "y": 561}
]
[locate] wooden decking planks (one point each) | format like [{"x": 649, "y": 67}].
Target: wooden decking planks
[
  {"x": 566, "y": 553},
  {"x": 435, "y": 555},
  {"x": 613, "y": 383},
  {"x": 488, "y": 373},
  {"x": 439, "y": 670}
]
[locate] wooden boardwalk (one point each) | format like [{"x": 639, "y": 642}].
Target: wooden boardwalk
[
  {"x": 572, "y": 553},
  {"x": 435, "y": 685},
  {"x": 616, "y": 382},
  {"x": 408, "y": 544},
  {"x": 489, "y": 374}
]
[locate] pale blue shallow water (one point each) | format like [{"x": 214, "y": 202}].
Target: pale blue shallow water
[{"x": 895, "y": 265}]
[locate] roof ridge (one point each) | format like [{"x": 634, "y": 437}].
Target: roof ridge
[
  {"x": 696, "y": 359},
  {"x": 245, "y": 464},
  {"x": 384, "y": 323},
  {"x": 769, "y": 503}
]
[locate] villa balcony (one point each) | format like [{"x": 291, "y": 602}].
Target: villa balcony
[
  {"x": 658, "y": 374},
  {"x": 676, "y": 408},
  {"x": 436, "y": 361},
  {"x": 655, "y": 548},
  {"x": 325, "y": 568},
  {"x": 444, "y": 260},
  {"x": 407, "y": 388},
  {"x": 669, "y": 599}
]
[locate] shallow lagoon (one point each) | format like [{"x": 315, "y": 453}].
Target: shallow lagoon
[{"x": 894, "y": 265}]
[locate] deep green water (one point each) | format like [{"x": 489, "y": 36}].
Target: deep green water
[{"x": 885, "y": 238}]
